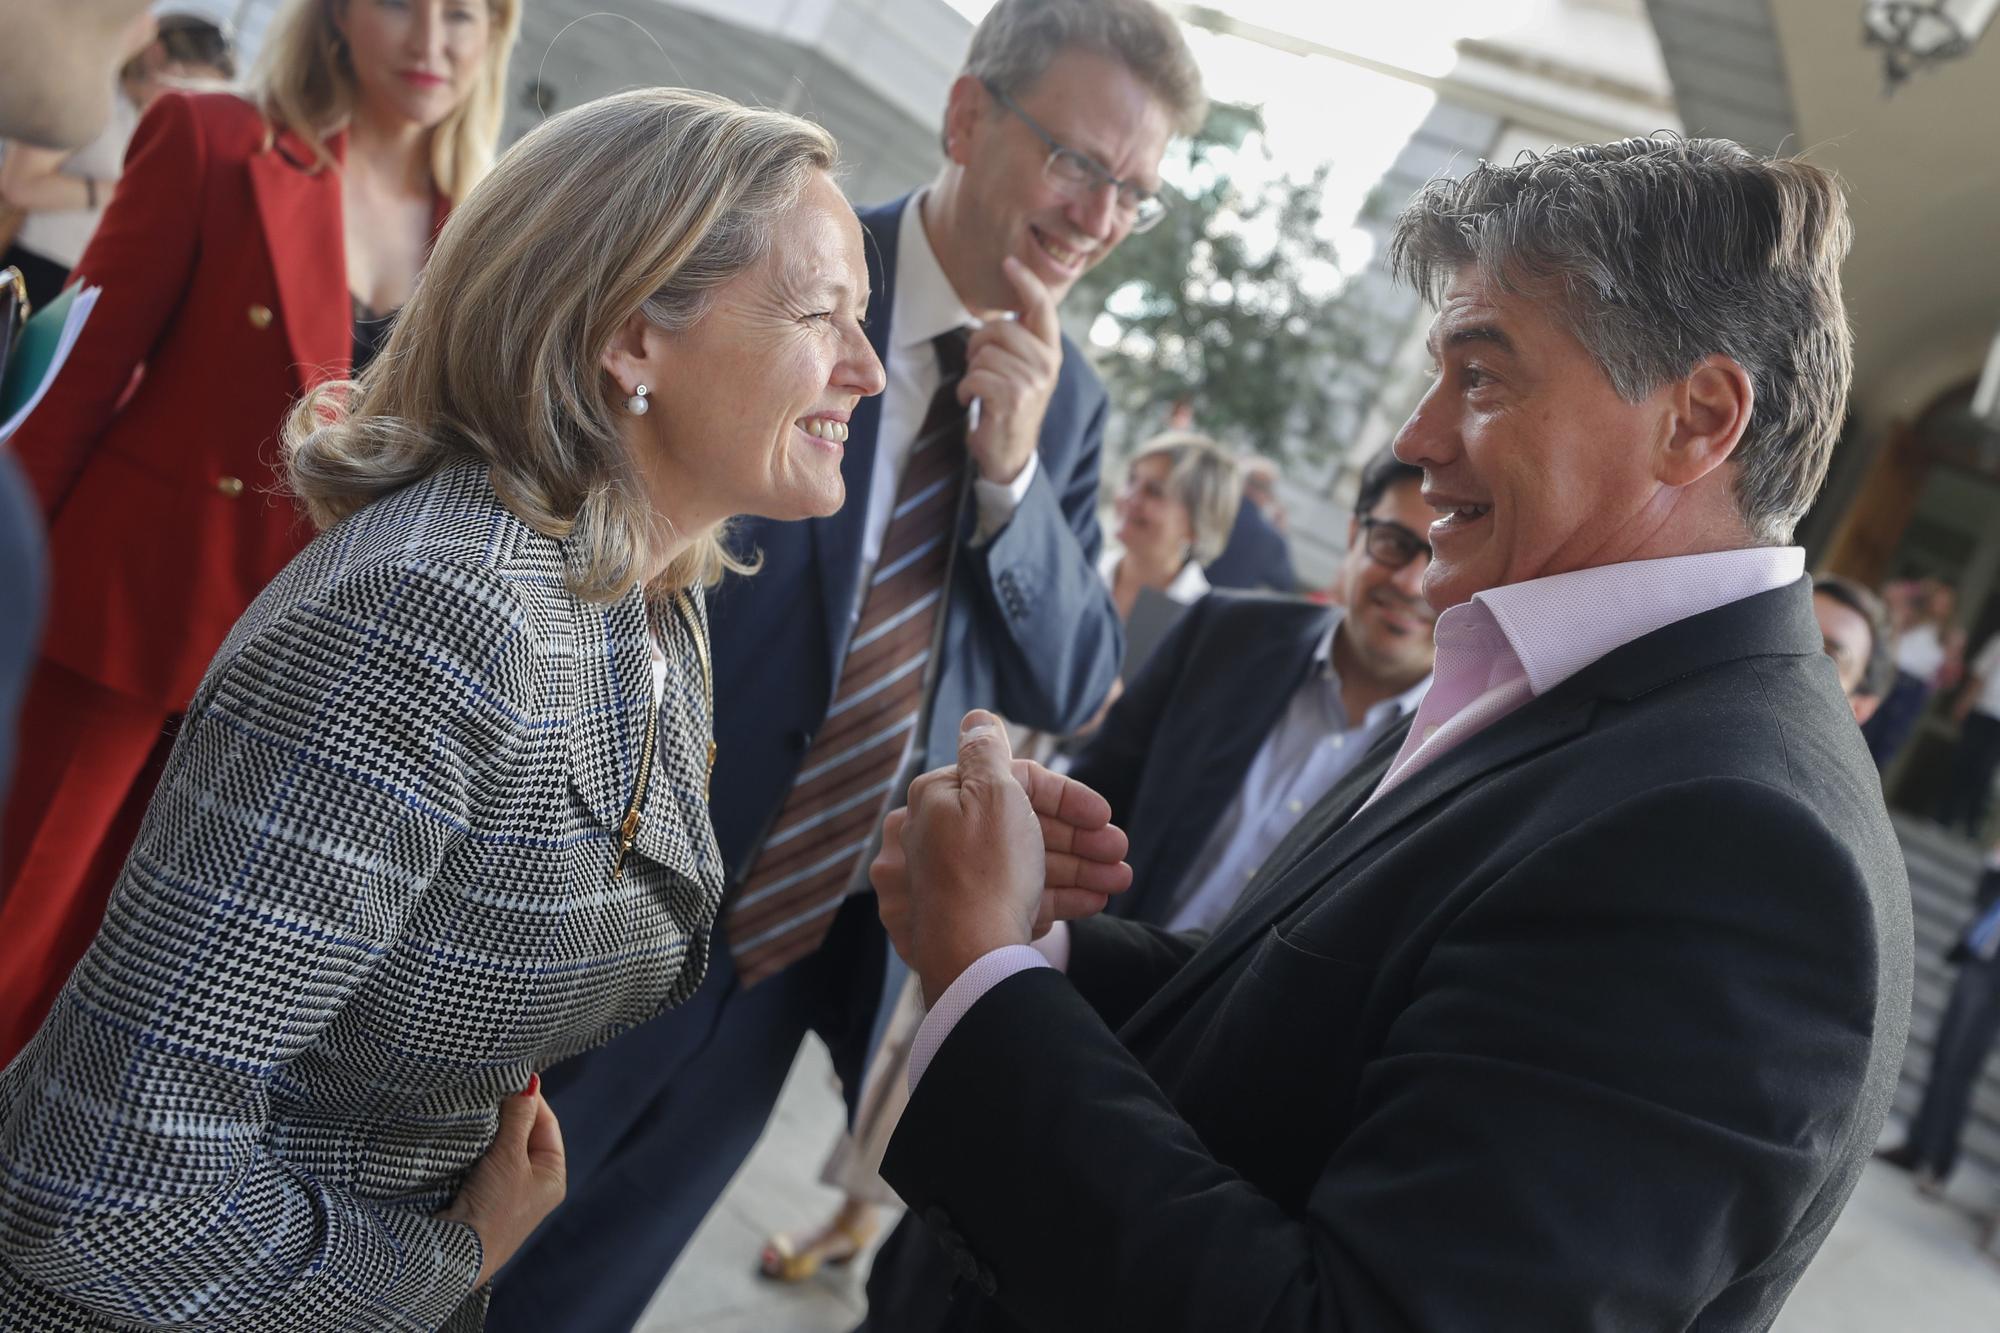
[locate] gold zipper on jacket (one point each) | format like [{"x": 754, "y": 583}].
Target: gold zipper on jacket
[{"x": 628, "y": 828}]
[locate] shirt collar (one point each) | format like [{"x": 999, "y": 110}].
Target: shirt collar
[
  {"x": 924, "y": 304},
  {"x": 1558, "y": 625},
  {"x": 1405, "y": 702}
]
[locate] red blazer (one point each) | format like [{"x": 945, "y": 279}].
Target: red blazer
[{"x": 223, "y": 263}]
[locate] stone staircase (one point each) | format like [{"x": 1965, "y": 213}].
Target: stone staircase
[{"x": 1943, "y": 868}]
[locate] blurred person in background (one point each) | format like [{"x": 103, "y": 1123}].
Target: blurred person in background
[
  {"x": 53, "y": 198},
  {"x": 1256, "y": 555},
  {"x": 1855, "y": 627},
  {"x": 1965, "y": 1037},
  {"x": 1929, "y": 652},
  {"x": 1173, "y": 515},
  {"x": 189, "y": 51},
  {"x": 257, "y": 246},
  {"x": 436, "y": 817},
  {"x": 1255, "y": 706},
  {"x": 1975, "y": 759},
  {"x": 55, "y": 92}
]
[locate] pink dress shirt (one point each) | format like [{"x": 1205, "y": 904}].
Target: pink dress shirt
[{"x": 1494, "y": 653}]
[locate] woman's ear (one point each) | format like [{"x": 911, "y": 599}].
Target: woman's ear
[{"x": 632, "y": 357}]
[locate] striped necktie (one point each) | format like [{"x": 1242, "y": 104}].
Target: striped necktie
[{"x": 847, "y": 781}]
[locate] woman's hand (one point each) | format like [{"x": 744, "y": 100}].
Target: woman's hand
[{"x": 517, "y": 1183}]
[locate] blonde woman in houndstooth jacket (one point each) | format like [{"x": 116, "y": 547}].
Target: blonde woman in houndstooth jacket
[{"x": 438, "y": 816}]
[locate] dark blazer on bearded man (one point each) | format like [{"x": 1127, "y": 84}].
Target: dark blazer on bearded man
[
  {"x": 1589, "y": 1024},
  {"x": 1175, "y": 748}
]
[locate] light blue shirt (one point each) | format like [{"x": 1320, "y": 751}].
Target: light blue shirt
[{"x": 1310, "y": 749}]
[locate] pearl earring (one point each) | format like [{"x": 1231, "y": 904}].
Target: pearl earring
[{"x": 637, "y": 403}]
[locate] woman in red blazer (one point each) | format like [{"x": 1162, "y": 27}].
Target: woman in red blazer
[{"x": 256, "y": 247}]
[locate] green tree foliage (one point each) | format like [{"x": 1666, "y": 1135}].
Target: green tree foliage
[{"x": 1228, "y": 313}]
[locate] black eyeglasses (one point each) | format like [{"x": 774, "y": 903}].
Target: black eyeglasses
[
  {"x": 1077, "y": 176},
  {"x": 1390, "y": 544}
]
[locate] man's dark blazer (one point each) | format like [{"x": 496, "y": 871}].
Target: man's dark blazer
[
  {"x": 1175, "y": 748},
  {"x": 1590, "y": 1024},
  {"x": 1256, "y": 556},
  {"x": 1031, "y": 631}
]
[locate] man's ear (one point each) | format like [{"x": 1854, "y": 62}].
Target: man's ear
[
  {"x": 963, "y": 109},
  {"x": 1711, "y": 409}
]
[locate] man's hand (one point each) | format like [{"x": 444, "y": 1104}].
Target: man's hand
[
  {"x": 989, "y": 853},
  {"x": 1011, "y": 367}
]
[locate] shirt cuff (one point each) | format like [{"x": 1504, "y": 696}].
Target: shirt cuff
[
  {"x": 997, "y": 503},
  {"x": 989, "y": 971},
  {"x": 1054, "y": 946}
]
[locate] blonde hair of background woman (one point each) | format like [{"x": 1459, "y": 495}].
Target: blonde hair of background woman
[
  {"x": 1206, "y": 479},
  {"x": 646, "y": 202},
  {"x": 302, "y": 83}
]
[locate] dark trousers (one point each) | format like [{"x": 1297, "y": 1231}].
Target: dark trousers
[
  {"x": 1973, "y": 763},
  {"x": 1971, "y": 1021},
  {"x": 656, "y": 1123}
]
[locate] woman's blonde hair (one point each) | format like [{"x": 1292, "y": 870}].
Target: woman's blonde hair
[
  {"x": 642, "y": 203},
  {"x": 1206, "y": 479},
  {"x": 302, "y": 82}
]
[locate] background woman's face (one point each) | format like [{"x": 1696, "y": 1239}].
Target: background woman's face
[
  {"x": 1151, "y": 522},
  {"x": 751, "y": 407},
  {"x": 415, "y": 60}
]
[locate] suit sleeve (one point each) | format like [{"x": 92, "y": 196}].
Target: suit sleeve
[
  {"x": 1624, "y": 1078},
  {"x": 300, "y": 821},
  {"x": 1049, "y": 619},
  {"x": 142, "y": 255}
]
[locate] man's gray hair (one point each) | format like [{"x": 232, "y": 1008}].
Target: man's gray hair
[
  {"x": 1018, "y": 39},
  {"x": 1660, "y": 251}
]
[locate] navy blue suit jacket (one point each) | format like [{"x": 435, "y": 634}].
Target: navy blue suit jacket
[
  {"x": 1031, "y": 630},
  {"x": 1256, "y": 556}
]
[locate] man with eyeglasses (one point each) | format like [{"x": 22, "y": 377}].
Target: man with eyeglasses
[
  {"x": 1255, "y": 707},
  {"x": 960, "y": 573}
]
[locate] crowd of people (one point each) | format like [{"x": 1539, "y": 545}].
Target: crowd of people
[{"x": 529, "y": 636}]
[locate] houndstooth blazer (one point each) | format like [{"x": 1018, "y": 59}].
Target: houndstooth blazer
[{"x": 374, "y": 891}]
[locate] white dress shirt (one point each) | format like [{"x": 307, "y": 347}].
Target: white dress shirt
[{"x": 922, "y": 306}]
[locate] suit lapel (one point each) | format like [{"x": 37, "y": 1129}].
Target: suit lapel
[
  {"x": 607, "y": 737},
  {"x": 1338, "y": 832},
  {"x": 299, "y": 203},
  {"x": 1213, "y": 762},
  {"x": 837, "y": 538}
]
